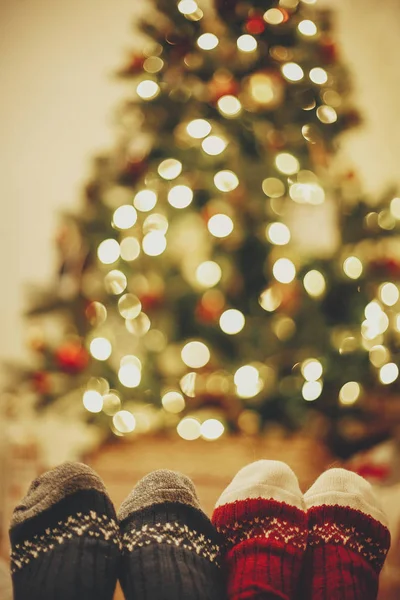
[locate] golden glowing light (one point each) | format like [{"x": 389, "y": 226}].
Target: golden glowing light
[
  {"x": 389, "y": 373},
  {"x": 115, "y": 282},
  {"x": 247, "y": 43},
  {"x": 125, "y": 217},
  {"x": 247, "y": 381},
  {"x": 314, "y": 283},
  {"x": 318, "y": 75},
  {"x": 93, "y": 401},
  {"x": 214, "y": 145},
  {"x": 108, "y": 251},
  {"x": 292, "y": 71},
  {"x": 389, "y": 293},
  {"x": 232, "y": 321},
  {"x": 278, "y": 234},
  {"x": 284, "y": 328},
  {"x": 148, "y": 89},
  {"x": 96, "y": 313},
  {"x": 189, "y": 429},
  {"x": 180, "y": 196},
  {"x": 173, "y": 402},
  {"x": 100, "y": 348},
  {"x": 124, "y": 421},
  {"x": 273, "y": 187},
  {"x": 139, "y": 326},
  {"x": 270, "y": 299},
  {"x": 129, "y": 306},
  {"x": 284, "y": 270},
  {"x": 353, "y": 267},
  {"x": 154, "y": 243},
  {"x": 208, "y": 274},
  {"x": 311, "y": 390},
  {"x": 130, "y": 374},
  {"x": 188, "y": 384},
  {"x": 153, "y": 64},
  {"x": 226, "y": 181},
  {"x": 376, "y": 323},
  {"x": 379, "y": 355},
  {"x": 111, "y": 403},
  {"x": 229, "y": 106},
  {"x": 130, "y": 249},
  {"x": 307, "y": 27},
  {"x": 145, "y": 200},
  {"x": 220, "y": 225},
  {"x": 287, "y": 163},
  {"x": 274, "y": 16},
  {"x": 155, "y": 222},
  {"x": 198, "y": 128},
  {"x": 349, "y": 393},
  {"x": 327, "y": 114},
  {"x": 170, "y": 168},
  {"x": 188, "y": 7},
  {"x": 307, "y": 193},
  {"x": 195, "y": 354},
  {"x": 208, "y": 41},
  {"x": 311, "y": 369},
  {"x": 395, "y": 208},
  {"x": 212, "y": 429}
]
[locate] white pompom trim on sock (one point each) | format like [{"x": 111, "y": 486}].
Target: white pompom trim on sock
[
  {"x": 339, "y": 487},
  {"x": 268, "y": 479}
]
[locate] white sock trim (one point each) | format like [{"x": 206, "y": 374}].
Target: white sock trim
[
  {"x": 266, "y": 479},
  {"x": 338, "y": 487}
]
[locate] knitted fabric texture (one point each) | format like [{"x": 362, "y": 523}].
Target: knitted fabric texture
[
  {"x": 348, "y": 539},
  {"x": 65, "y": 538},
  {"x": 262, "y": 520},
  {"x": 171, "y": 551}
]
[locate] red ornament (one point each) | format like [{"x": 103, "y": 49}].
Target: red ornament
[
  {"x": 328, "y": 50},
  {"x": 210, "y": 306},
  {"x": 72, "y": 357},
  {"x": 385, "y": 266},
  {"x": 255, "y": 25},
  {"x": 132, "y": 170},
  {"x": 133, "y": 67},
  {"x": 41, "y": 382},
  {"x": 151, "y": 301},
  {"x": 222, "y": 84}
]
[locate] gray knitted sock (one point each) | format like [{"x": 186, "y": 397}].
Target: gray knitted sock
[
  {"x": 171, "y": 550},
  {"x": 65, "y": 538}
]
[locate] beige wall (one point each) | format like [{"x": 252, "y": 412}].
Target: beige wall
[{"x": 56, "y": 100}]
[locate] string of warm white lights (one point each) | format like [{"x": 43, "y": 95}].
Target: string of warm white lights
[{"x": 201, "y": 306}]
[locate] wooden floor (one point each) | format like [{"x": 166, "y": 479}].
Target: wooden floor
[{"x": 211, "y": 465}]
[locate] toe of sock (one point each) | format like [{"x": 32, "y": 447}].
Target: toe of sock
[
  {"x": 54, "y": 485},
  {"x": 339, "y": 487},
  {"x": 267, "y": 479},
  {"x": 157, "y": 488}
]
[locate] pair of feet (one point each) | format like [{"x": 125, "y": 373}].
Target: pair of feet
[
  {"x": 267, "y": 540},
  {"x": 330, "y": 542}
]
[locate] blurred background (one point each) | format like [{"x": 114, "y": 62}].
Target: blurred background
[{"x": 58, "y": 99}]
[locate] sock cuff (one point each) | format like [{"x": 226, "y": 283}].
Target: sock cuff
[
  {"x": 83, "y": 505},
  {"x": 254, "y": 510},
  {"x": 359, "y": 532}
]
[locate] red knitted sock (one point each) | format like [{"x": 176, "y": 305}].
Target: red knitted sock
[
  {"x": 348, "y": 539},
  {"x": 262, "y": 519}
]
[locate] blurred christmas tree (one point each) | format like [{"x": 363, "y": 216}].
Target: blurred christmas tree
[{"x": 200, "y": 287}]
